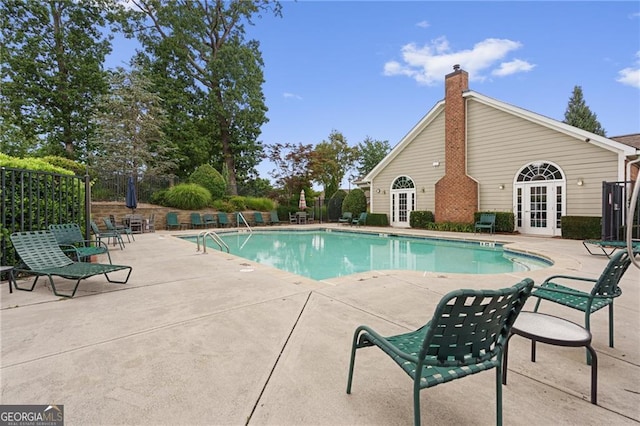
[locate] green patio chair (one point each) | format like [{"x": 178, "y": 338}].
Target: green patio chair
[
  {"x": 70, "y": 239},
  {"x": 41, "y": 256},
  {"x": 274, "y": 218},
  {"x": 209, "y": 220},
  {"x": 602, "y": 293},
  {"x": 347, "y": 217},
  {"x": 172, "y": 221},
  {"x": 466, "y": 335},
  {"x": 360, "y": 220},
  {"x": 487, "y": 221},
  {"x": 108, "y": 235},
  {"x": 196, "y": 221},
  {"x": 258, "y": 219},
  {"x": 121, "y": 229},
  {"x": 223, "y": 220}
]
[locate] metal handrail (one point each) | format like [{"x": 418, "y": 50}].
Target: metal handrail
[
  {"x": 240, "y": 215},
  {"x": 214, "y": 237}
]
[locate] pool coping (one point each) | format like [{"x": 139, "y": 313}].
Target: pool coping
[{"x": 504, "y": 245}]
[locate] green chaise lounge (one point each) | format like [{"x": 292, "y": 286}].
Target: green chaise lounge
[
  {"x": 612, "y": 245},
  {"x": 41, "y": 256}
]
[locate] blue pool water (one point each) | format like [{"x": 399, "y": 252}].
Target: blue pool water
[{"x": 322, "y": 254}]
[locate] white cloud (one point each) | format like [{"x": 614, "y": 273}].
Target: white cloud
[
  {"x": 631, "y": 76},
  {"x": 429, "y": 64},
  {"x": 291, "y": 96},
  {"x": 423, "y": 24},
  {"x": 512, "y": 67}
]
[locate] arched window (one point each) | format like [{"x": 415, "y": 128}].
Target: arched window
[
  {"x": 403, "y": 182},
  {"x": 539, "y": 171}
]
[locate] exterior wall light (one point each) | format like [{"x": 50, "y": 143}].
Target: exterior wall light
[
  {"x": 378, "y": 190},
  {"x": 501, "y": 186},
  {"x": 580, "y": 182},
  {"x": 436, "y": 163}
]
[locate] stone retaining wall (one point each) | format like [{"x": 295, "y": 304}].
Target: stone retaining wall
[{"x": 119, "y": 210}]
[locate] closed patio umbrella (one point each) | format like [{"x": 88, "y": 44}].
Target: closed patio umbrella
[
  {"x": 302, "y": 205},
  {"x": 131, "y": 201}
]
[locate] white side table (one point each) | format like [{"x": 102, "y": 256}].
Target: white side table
[{"x": 552, "y": 330}]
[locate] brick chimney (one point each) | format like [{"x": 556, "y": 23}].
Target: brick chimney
[{"x": 456, "y": 193}]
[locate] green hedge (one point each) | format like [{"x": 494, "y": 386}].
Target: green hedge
[
  {"x": 421, "y": 219},
  {"x": 377, "y": 219},
  {"x": 581, "y": 227},
  {"x": 505, "y": 221}
]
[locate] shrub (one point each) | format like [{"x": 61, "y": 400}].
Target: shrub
[
  {"x": 283, "y": 213},
  {"x": 259, "y": 204},
  {"x": 450, "y": 226},
  {"x": 420, "y": 219},
  {"x": 581, "y": 227},
  {"x": 209, "y": 178},
  {"x": 238, "y": 203},
  {"x": 377, "y": 219},
  {"x": 505, "y": 221},
  {"x": 355, "y": 202},
  {"x": 77, "y": 168},
  {"x": 188, "y": 196},
  {"x": 223, "y": 206},
  {"x": 158, "y": 197},
  {"x": 32, "y": 164}
]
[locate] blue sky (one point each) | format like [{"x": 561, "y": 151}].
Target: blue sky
[{"x": 375, "y": 68}]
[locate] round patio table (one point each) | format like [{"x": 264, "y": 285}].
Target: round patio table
[{"x": 556, "y": 331}]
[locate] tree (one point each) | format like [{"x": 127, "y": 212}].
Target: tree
[
  {"x": 187, "y": 127},
  {"x": 129, "y": 136},
  {"x": 52, "y": 55},
  {"x": 258, "y": 187},
  {"x": 292, "y": 161},
  {"x": 579, "y": 115},
  {"x": 206, "y": 39},
  {"x": 355, "y": 202},
  {"x": 370, "y": 153},
  {"x": 331, "y": 161}
]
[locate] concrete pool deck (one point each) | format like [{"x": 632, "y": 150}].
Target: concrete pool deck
[{"x": 207, "y": 339}]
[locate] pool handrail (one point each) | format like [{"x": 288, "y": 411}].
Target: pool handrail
[
  {"x": 240, "y": 215},
  {"x": 214, "y": 236}
]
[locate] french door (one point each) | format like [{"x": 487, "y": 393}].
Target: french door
[
  {"x": 539, "y": 207},
  {"x": 402, "y": 204}
]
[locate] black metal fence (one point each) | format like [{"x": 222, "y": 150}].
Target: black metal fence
[
  {"x": 32, "y": 200},
  {"x": 615, "y": 199},
  {"x": 114, "y": 187}
]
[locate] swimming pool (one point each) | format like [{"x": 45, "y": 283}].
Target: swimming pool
[{"x": 321, "y": 254}]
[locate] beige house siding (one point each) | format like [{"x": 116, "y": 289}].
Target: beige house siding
[
  {"x": 500, "y": 144},
  {"x": 415, "y": 161}
]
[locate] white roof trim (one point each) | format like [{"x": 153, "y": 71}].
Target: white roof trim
[
  {"x": 588, "y": 137},
  {"x": 422, "y": 124},
  {"x": 559, "y": 126}
]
